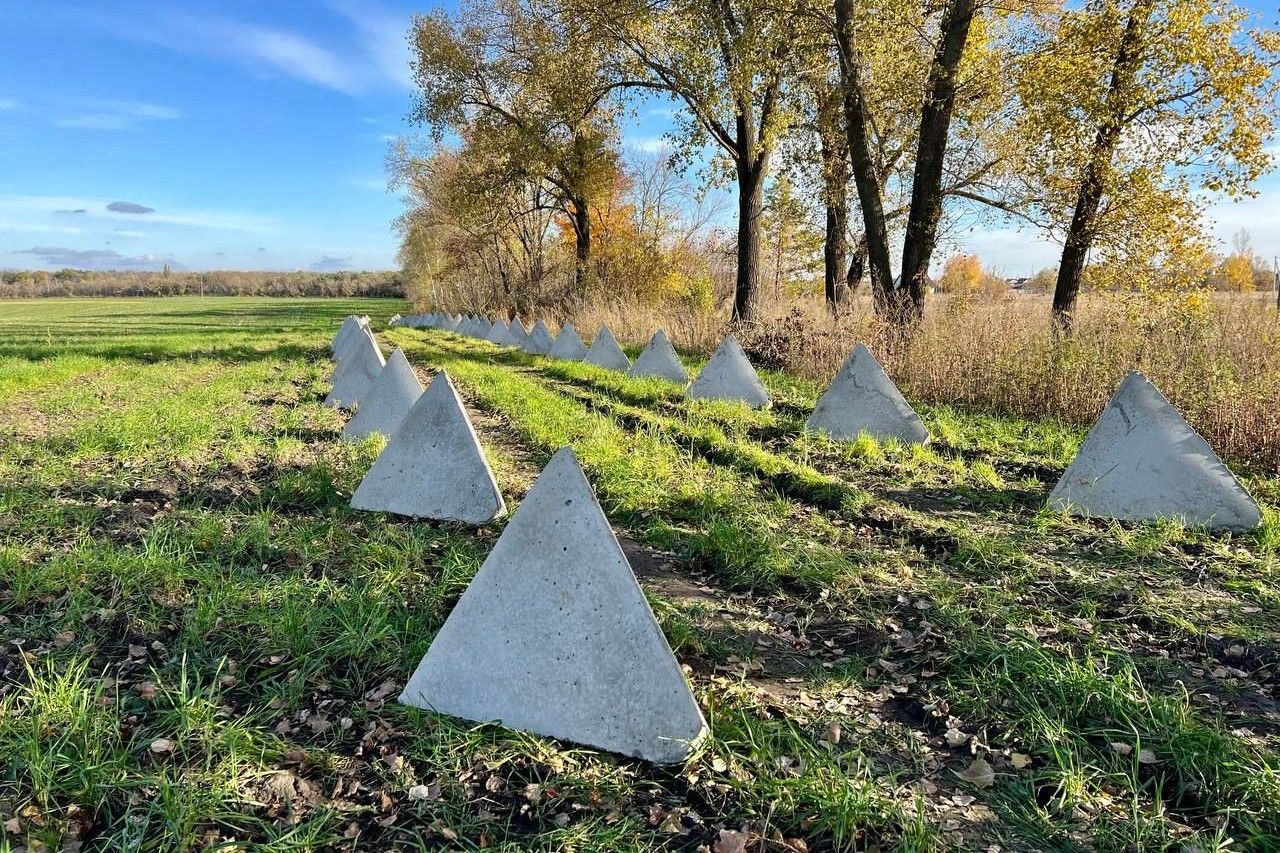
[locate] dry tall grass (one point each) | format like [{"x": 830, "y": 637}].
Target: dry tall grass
[{"x": 1217, "y": 358}]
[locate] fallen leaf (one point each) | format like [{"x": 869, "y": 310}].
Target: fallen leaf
[
  {"x": 1121, "y": 748},
  {"x": 1020, "y": 761},
  {"x": 1146, "y": 756},
  {"x": 955, "y": 737},
  {"x": 979, "y": 774},
  {"x": 730, "y": 841},
  {"x": 161, "y": 745},
  {"x": 64, "y": 639},
  {"x": 145, "y": 689}
]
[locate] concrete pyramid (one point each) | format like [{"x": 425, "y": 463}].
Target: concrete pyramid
[
  {"x": 482, "y": 329},
  {"x": 433, "y": 466},
  {"x": 659, "y": 359},
  {"x": 568, "y": 345},
  {"x": 358, "y": 368},
  {"x": 862, "y": 398},
  {"x": 388, "y": 401},
  {"x": 605, "y": 352},
  {"x": 554, "y": 636},
  {"x": 350, "y": 326},
  {"x": 500, "y": 335},
  {"x": 539, "y": 340},
  {"x": 730, "y": 376},
  {"x": 1142, "y": 461},
  {"x": 519, "y": 333}
]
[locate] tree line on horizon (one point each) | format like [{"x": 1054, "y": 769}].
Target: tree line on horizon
[
  {"x": 77, "y": 282},
  {"x": 852, "y": 137}
]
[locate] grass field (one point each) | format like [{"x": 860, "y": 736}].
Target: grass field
[{"x": 200, "y": 644}]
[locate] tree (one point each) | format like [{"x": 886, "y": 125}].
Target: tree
[
  {"x": 1133, "y": 111},
  {"x": 731, "y": 63},
  {"x": 962, "y": 274},
  {"x": 521, "y": 82}
]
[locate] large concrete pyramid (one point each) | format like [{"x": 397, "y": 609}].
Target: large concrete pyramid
[
  {"x": 359, "y": 364},
  {"x": 605, "y": 352},
  {"x": 862, "y": 398},
  {"x": 344, "y": 341},
  {"x": 433, "y": 466},
  {"x": 482, "y": 329},
  {"x": 385, "y": 406},
  {"x": 554, "y": 636},
  {"x": 1143, "y": 461},
  {"x": 519, "y": 333},
  {"x": 539, "y": 340},
  {"x": 568, "y": 345},
  {"x": 729, "y": 376},
  {"x": 659, "y": 359},
  {"x": 349, "y": 326}
]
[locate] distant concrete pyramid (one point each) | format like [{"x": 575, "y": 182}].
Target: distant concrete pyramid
[
  {"x": 568, "y": 345},
  {"x": 554, "y": 636},
  {"x": 659, "y": 359},
  {"x": 539, "y": 340},
  {"x": 730, "y": 376},
  {"x": 519, "y": 333},
  {"x": 1143, "y": 461},
  {"x": 483, "y": 327},
  {"x": 388, "y": 401},
  {"x": 358, "y": 367},
  {"x": 499, "y": 334},
  {"x": 605, "y": 352},
  {"x": 863, "y": 399},
  {"x": 433, "y": 466}
]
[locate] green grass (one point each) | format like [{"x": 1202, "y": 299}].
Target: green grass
[{"x": 200, "y": 644}]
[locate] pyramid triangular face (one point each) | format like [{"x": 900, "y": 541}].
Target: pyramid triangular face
[
  {"x": 1142, "y": 461},
  {"x": 730, "y": 376},
  {"x": 349, "y": 326},
  {"x": 358, "y": 368},
  {"x": 482, "y": 329},
  {"x": 539, "y": 340},
  {"x": 433, "y": 466},
  {"x": 568, "y": 345},
  {"x": 863, "y": 399},
  {"x": 554, "y": 636},
  {"x": 498, "y": 334},
  {"x": 518, "y": 331},
  {"x": 605, "y": 352},
  {"x": 343, "y": 341},
  {"x": 659, "y": 359},
  {"x": 385, "y": 406}
]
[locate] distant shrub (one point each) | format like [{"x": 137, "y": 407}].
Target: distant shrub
[{"x": 73, "y": 282}]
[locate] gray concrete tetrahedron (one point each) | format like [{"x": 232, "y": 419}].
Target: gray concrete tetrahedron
[
  {"x": 349, "y": 326},
  {"x": 358, "y": 367},
  {"x": 433, "y": 466},
  {"x": 659, "y": 359},
  {"x": 605, "y": 352},
  {"x": 385, "y": 406},
  {"x": 568, "y": 345},
  {"x": 863, "y": 399},
  {"x": 1142, "y": 461},
  {"x": 728, "y": 375},
  {"x": 539, "y": 340},
  {"x": 519, "y": 334},
  {"x": 554, "y": 636},
  {"x": 499, "y": 334}
]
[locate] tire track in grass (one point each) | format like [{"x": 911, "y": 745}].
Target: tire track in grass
[{"x": 972, "y": 643}]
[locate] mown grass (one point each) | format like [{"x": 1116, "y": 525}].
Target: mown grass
[{"x": 202, "y": 643}]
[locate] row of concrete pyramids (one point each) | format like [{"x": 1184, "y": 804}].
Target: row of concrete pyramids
[
  {"x": 554, "y": 623},
  {"x": 1141, "y": 460},
  {"x": 553, "y": 635}
]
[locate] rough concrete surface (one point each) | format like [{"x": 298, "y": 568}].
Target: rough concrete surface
[
  {"x": 388, "y": 402},
  {"x": 1142, "y": 461},
  {"x": 730, "y": 376},
  {"x": 605, "y": 352},
  {"x": 433, "y": 466},
  {"x": 539, "y": 340},
  {"x": 659, "y": 359},
  {"x": 863, "y": 399},
  {"x": 358, "y": 368},
  {"x": 554, "y": 636},
  {"x": 568, "y": 345}
]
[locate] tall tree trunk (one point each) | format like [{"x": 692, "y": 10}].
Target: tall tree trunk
[
  {"x": 835, "y": 192},
  {"x": 581, "y": 216},
  {"x": 751, "y": 172},
  {"x": 931, "y": 148},
  {"x": 865, "y": 176},
  {"x": 1083, "y": 228},
  {"x": 857, "y": 266}
]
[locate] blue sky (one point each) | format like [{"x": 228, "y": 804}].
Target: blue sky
[{"x": 249, "y": 135}]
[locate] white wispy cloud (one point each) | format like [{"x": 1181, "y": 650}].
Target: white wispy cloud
[
  {"x": 107, "y": 114},
  {"x": 648, "y": 144},
  {"x": 40, "y": 211},
  {"x": 384, "y": 35},
  {"x": 8, "y": 104}
]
